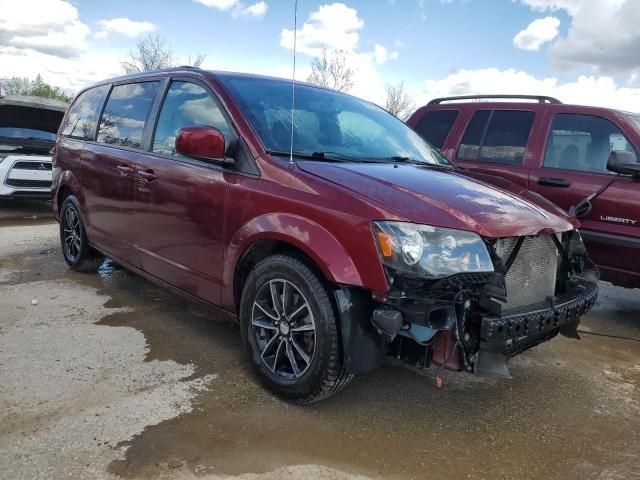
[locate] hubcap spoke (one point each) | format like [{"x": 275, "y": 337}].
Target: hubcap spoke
[
  {"x": 301, "y": 308},
  {"x": 304, "y": 328},
  {"x": 269, "y": 345},
  {"x": 285, "y": 298},
  {"x": 301, "y": 351},
  {"x": 268, "y": 314},
  {"x": 292, "y": 359},
  {"x": 277, "y": 356},
  {"x": 261, "y": 323},
  {"x": 275, "y": 301}
]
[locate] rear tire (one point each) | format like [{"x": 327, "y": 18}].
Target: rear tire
[
  {"x": 77, "y": 252},
  {"x": 290, "y": 332}
]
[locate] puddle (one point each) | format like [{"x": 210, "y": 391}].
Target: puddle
[{"x": 561, "y": 416}]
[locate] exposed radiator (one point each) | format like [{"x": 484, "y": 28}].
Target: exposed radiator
[{"x": 532, "y": 277}]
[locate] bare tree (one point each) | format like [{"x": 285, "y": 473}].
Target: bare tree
[
  {"x": 153, "y": 53},
  {"x": 332, "y": 70},
  {"x": 197, "y": 60},
  {"x": 398, "y": 101}
]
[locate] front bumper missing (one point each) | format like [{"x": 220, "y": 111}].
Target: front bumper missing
[{"x": 512, "y": 333}]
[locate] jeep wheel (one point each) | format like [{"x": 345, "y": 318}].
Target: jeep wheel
[
  {"x": 290, "y": 331},
  {"x": 77, "y": 252}
]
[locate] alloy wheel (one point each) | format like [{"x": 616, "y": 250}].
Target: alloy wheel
[
  {"x": 283, "y": 329},
  {"x": 71, "y": 234}
]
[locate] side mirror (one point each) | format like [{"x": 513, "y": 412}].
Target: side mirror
[
  {"x": 623, "y": 162},
  {"x": 202, "y": 143}
]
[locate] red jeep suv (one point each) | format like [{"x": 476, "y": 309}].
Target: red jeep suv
[
  {"x": 560, "y": 151},
  {"x": 332, "y": 231}
]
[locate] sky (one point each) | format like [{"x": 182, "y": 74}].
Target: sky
[{"x": 581, "y": 51}]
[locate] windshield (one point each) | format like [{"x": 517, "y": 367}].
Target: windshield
[
  {"x": 13, "y": 133},
  {"x": 327, "y": 122}
]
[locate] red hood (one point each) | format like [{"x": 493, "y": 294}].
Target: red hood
[{"x": 448, "y": 198}]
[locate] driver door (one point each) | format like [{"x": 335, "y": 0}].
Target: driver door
[
  {"x": 180, "y": 201},
  {"x": 575, "y": 166}
]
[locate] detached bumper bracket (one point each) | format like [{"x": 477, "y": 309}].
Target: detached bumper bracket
[{"x": 513, "y": 333}]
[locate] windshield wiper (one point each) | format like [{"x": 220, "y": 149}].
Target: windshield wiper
[
  {"x": 305, "y": 156},
  {"x": 400, "y": 159}
]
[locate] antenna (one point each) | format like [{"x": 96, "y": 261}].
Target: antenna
[{"x": 293, "y": 79}]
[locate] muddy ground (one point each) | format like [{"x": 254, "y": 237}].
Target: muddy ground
[{"x": 108, "y": 376}]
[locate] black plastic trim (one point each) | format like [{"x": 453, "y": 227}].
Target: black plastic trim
[{"x": 611, "y": 239}]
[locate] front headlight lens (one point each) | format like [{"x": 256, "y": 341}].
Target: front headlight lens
[{"x": 430, "y": 252}]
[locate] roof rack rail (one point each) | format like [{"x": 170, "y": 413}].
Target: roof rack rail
[{"x": 539, "y": 98}]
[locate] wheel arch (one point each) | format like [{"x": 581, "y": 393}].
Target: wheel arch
[
  {"x": 277, "y": 233},
  {"x": 67, "y": 185}
]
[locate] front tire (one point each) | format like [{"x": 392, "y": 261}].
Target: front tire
[
  {"x": 290, "y": 332},
  {"x": 77, "y": 252}
]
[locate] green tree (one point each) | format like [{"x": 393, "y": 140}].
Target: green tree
[{"x": 37, "y": 87}]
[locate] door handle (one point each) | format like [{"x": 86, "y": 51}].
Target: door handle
[
  {"x": 124, "y": 169},
  {"x": 148, "y": 175},
  {"x": 554, "y": 182}
]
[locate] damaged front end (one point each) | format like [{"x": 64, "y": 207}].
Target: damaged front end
[{"x": 475, "y": 321}]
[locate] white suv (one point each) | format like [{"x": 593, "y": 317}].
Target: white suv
[{"x": 28, "y": 127}]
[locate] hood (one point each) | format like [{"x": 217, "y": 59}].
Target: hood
[
  {"x": 447, "y": 198},
  {"x": 20, "y": 111}
]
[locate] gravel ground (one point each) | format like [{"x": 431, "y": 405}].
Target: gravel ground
[{"x": 107, "y": 376}]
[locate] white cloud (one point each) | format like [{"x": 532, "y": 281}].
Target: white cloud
[
  {"x": 219, "y": 4},
  {"x": 237, "y": 8},
  {"x": 603, "y": 34},
  {"x": 47, "y": 26},
  {"x": 70, "y": 74},
  {"x": 538, "y": 32},
  {"x": 257, "y": 10},
  {"x": 334, "y": 26},
  {"x": 381, "y": 54},
  {"x": 124, "y": 26},
  {"x": 585, "y": 90}
]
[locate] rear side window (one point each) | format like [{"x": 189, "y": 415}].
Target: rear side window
[
  {"x": 82, "y": 119},
  {"x": 583, "y": 143},
  {"x": 126, "y": 114},
  {"x": 499, "y": 136},
  {"x": 186, "y": 104},
  {"x": 435, "y": 126}
]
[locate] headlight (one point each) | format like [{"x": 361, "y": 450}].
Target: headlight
[{"x": 430, "y": 252}]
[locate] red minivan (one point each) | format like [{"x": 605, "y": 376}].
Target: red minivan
[
  {"x": 332, "y": 231},
  {"x": 561, "y": 152}
]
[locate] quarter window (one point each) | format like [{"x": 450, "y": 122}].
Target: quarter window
[
  {"x": 82, "y": 119},
  {"x": 499, "y": 136},
  {"x": 186, "y": 104},
  {"x": 435, "y": 126},
  {"x": 126, "y": 114},
  {"x": 583, "y": 143}
]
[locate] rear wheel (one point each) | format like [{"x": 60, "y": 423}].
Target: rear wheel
[
  {"x": 290, "y": 331},
  {"x": 77, "y": 252}
]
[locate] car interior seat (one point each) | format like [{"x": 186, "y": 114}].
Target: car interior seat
[{"x": 570, "y": 157}]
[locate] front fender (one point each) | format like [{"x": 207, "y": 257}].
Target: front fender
[{"x": 311, "y": 238}]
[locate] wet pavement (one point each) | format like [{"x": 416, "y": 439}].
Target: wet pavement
[{"x": 571, "y": 410}]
